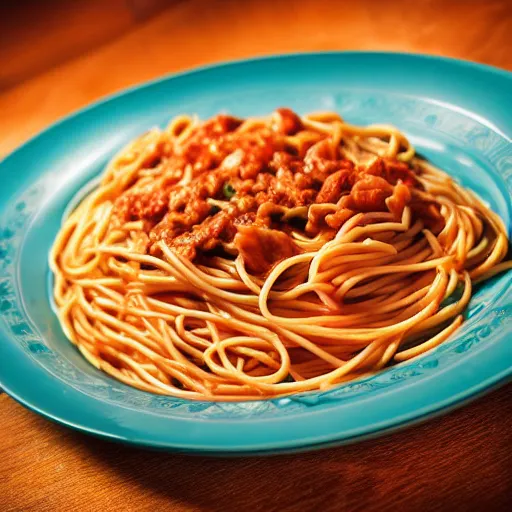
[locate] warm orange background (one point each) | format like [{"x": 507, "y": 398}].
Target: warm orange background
[{"x": 56, "y": 56}]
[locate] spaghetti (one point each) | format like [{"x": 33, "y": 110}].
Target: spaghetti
[{"x": 242, "y": 259}]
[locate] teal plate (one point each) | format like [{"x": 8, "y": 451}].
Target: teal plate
[{"x": 456, "y": 113}]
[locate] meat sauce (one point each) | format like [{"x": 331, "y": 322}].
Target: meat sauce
[{"x": 243, "y": 181}]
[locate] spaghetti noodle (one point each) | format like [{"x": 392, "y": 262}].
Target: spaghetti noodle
[{"x": 242, "y": 259}]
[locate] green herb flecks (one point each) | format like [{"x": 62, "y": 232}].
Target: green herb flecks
[{"x": 228, "y": 190}]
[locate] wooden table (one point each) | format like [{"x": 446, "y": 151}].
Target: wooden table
[{"x": 462, "y": 461}]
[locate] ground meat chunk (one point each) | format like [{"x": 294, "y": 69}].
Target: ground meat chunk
[
  {"x": 205, "y": 236},
  {"x": 375, "y": 194},
  {"x": 334, "y": 185},
  {"x": 262, "y": 248},
  {"x": 392, "y": 171},
  {"x": 369, "y": 194},
  {"x": 286, "y": 121},
  {"x": 148, "y": 203}
]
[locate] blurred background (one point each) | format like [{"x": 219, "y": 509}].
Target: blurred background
[{"x": 58, "y": 55}]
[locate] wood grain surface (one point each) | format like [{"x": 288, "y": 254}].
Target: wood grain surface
[
  {"x": 458, "y": 462},
  {"x": 75, "y": 52}
]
